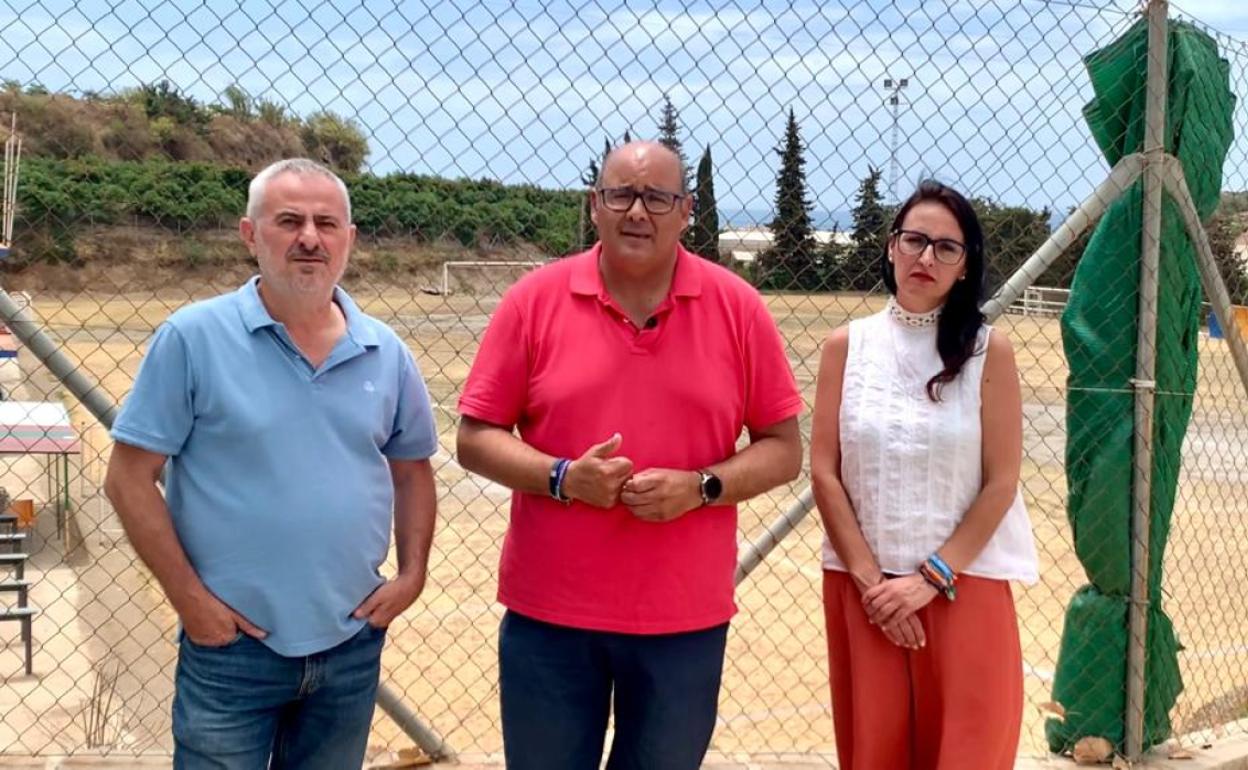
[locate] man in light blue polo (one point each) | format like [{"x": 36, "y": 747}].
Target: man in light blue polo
[{"x": 293, "y": 429}]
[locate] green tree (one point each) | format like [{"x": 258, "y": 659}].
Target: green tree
[
  {"x": 1062, "y": 271},
  {"x": 859, "y": 264},
  {"x": 162, "y": 99},
  {"x": 1011, "y": 235},
  {"x": 1227, "y": 225},
  {"x": 588, "y": 233},
  {"x": 335, "y": 141},
  {"x": 789, "y": 262},
  {"x": 669, "y": 136},
  {"x": 237, "y": 103},
  {"x": 831, "y": 258},
  {"x": 271, "y": 113},
  {"x": 703, "y": 237}
]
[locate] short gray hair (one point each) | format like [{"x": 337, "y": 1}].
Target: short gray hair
[{"x": 255, "y": 191}]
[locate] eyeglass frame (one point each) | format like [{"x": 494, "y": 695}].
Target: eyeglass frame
[
  {"x": 928, "y": 241},
  {"x": 635, "y": 194}
]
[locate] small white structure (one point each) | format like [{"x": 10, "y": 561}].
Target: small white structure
[{"x": 744, "y": 243}]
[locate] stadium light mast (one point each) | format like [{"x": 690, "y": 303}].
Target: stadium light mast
[{"x": 893, "y": 88}]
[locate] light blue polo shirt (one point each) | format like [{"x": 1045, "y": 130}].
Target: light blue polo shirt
[{"x": 277, "y": 479}]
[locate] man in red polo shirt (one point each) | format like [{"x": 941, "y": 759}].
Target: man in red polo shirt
[{"x": 628, "y": 373}]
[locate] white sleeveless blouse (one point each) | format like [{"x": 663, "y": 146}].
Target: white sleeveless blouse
[{"x": 913, "y": 467}]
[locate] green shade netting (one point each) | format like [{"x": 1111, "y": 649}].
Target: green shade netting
[{"x": 1099, "y": 330}]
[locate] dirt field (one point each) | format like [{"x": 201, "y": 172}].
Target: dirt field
[{"x": 102, "y": 613}]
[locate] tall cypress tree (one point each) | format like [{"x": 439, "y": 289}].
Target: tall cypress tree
[
  {"x": 703, "y": 236},
  {"x": 589, "y": 233},
  {"x": 861, "y": 266},
  {"x": 790, "y": 262},
  {"x": 669, "y": 135}
]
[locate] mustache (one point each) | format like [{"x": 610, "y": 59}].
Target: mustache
[{"x": 298, "y": 253}]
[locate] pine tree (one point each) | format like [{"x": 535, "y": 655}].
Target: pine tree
[
  {"x": 669, "y": 135},
  {"x": 861, "y": 266},
  {"x": 831, "y": 257},
  {"x": 703, "y": 237},
  {"x": 790, "y": 262},
  {"x": 589, "y": 233}
]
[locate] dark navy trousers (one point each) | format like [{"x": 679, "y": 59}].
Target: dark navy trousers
[{"x": 559, "y": 685}]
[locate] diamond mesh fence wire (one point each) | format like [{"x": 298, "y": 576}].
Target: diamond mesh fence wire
[{"x": 467, "y": 134}]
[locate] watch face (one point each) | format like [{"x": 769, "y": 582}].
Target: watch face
[{"x": 712, "y": 487}]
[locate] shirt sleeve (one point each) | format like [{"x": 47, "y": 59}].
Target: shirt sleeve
[
  {"x": 414, "y": 435},
  {"x": 772, "y": 394},
  {"x": 159, "y": 412},
  {"x": 497, "y": 386}
]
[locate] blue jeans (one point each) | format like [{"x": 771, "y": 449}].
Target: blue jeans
[
  {"x": 244, "y": 707},
  {"x": 557, "y": 685}
]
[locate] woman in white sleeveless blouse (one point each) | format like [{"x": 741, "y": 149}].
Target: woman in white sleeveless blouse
[{"x": 915, "y": 456}]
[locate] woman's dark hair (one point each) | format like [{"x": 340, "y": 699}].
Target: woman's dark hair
[{"x": 957, "y": 331}]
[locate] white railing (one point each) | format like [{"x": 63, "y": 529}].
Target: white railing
[{"x": 1040, "y": 302}]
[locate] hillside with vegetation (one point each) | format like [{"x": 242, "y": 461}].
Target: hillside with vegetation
[{"x": 153, "y": 158}]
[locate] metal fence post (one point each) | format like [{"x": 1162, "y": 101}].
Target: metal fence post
[
  {"x": 1145, "y": 365},
  {"x": 1215, "y": 288},
  {"x": 92, "y": 396}
]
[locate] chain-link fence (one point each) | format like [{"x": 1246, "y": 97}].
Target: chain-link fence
[{"x": 142, "y": 122}]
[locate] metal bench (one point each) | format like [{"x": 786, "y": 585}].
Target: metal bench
[
  {"x": 8, "y": 521},
  {"x": 21, "y": 612},
  {"x": 20, "y": 587},
  {"x": 13, "y": 539},
  {"x": 23, "y": 615},
  {"x": 17, "y": 561}
]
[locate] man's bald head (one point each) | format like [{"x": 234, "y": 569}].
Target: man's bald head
[{"x": 644, "y": 152}]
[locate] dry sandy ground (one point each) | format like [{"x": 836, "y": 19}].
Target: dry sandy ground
[{"x": 104, "y": 615}]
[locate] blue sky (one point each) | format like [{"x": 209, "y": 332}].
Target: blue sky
[{"x": 527, "y": 91}]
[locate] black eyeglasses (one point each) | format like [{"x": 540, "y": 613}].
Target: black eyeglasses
[
  {"x": 621, "y": 199},
  {"x": 912, "y": 243}
]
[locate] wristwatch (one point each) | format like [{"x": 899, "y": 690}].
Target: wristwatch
[{"x": 710, "y": 486}]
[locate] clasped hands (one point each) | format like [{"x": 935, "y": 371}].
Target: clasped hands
[
  {"x": 892, "y": 604},
  {"x": 602, "y": 479}
]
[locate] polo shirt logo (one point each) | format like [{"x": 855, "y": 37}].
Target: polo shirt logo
[{"x": 368, "y": 386}]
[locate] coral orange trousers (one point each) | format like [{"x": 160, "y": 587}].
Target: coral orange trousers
[{"x": 955, "y": 704}]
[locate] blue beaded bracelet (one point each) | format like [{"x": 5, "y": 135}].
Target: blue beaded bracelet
[
  {"x": 557, "y": 473},
  {"x": 561, "y": 472}
]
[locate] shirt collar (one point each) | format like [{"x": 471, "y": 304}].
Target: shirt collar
[
  {"x": 256, "y": 316},
  {"x": 586, "y": 279}
]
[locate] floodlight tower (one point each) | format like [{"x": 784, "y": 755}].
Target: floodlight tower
[{"x": 893, "y": 88}]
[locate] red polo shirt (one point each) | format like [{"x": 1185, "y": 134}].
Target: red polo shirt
[{"x": 562, "y": 363}]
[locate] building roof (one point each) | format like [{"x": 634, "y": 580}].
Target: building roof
[{"x": 36, "y": 427}]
